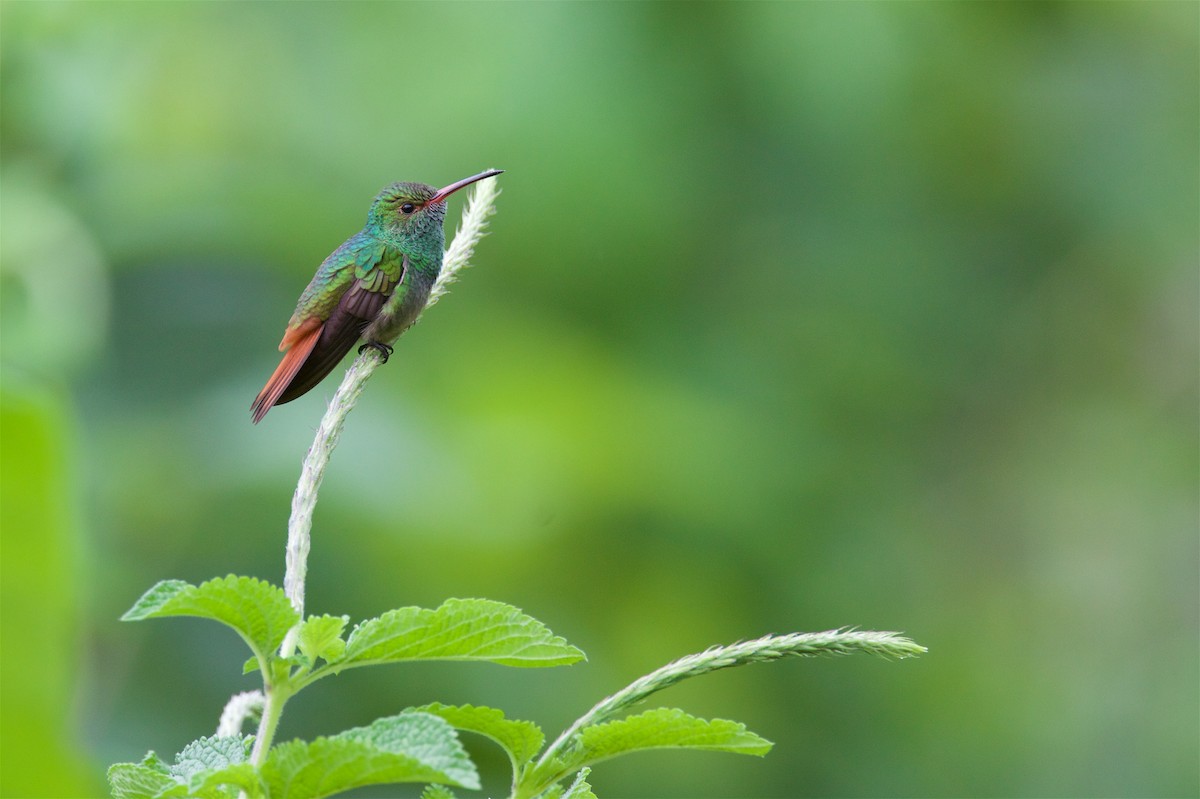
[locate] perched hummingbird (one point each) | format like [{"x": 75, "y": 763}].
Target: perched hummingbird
[{"x": 373, "y": 287}]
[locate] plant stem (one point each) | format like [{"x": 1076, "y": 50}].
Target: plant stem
[
  {"x": 276, "y": 696},
  {"x": 304, "y": 501}
]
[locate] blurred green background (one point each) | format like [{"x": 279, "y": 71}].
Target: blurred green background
[{"x": 793, "y": 316}]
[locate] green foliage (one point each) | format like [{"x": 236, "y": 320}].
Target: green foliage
[
  {"x": 661, "y": 728},
  {"x": 210, "y": 754},
  {"x": 321, "y": 637},
  {"x": 409, "y": 747},
  {"x": 140, "y": 780},
  {"x": 521, "y": 740},
  {"x": 435, "y": 791},
  {"x": 41, "y": 604},
  {"x": 461, "y": 629},
  {"x": 421, "y": 744},
  {"x": 596, "y": 736},
  {"x": 665, "y": 728},
  {"x": 208, "y": 768},
  {"x": 258, "y": 611},
  {"x": 579, "y": 789}
]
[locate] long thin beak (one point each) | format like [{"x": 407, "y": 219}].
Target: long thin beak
[{"x": 453, "y": 187}]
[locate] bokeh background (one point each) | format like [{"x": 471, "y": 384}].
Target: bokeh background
[{"x": 793, "y": 316}]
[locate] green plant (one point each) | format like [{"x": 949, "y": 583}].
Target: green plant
[{"x": 293, "y": 651}]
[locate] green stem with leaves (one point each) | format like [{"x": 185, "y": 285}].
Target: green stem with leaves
[
  {"x": 480, "y": 205},
  {"x": 562, "y": 757},
  {"x": 275, "y": 697}
]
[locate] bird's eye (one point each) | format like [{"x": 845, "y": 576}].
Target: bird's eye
[{"x": 408, "y": 208}]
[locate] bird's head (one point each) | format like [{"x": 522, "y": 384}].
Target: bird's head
[{"x": 411, "y": 215}]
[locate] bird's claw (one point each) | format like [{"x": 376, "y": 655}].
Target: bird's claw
[{"x": 384, "y": 350}]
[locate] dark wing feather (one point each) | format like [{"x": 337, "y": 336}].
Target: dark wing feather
[{"x": 357, "y": 307}]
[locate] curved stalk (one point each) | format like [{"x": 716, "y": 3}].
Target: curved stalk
[{"x": 480, "y": 205}]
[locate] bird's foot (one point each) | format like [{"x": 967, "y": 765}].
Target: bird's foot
[{"x": 383, "y": 349}]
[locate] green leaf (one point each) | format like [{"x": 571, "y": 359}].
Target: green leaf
[
  {"x": 321, "y": 637},
  {"x": 521, "y": 739},
  {"x": 665, "y": 728},
  {"x": 437, "y": 792},
  {"x": 461, "y": 629},
  {"x": 257, "y": 610},
  {"x": 225, "y": 783},
  {"x": 153, "y": 761},
  {"x": 208, "y": 768},
  {"x": 661, "y": 728},
  {"x": 40, "y": 533},
  {"x": 579, "y": 789},
  {"x": 409, "y": 747},
  {"x": 138, "y": 781},
  {"x": 211, "y": 754}
]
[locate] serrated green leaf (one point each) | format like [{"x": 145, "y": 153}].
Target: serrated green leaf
[
  {"x": 211, "y": 754},
  {"x": 225, "y": 783},
  {"x": 409, "y": 747},
  {"x": 257, "y": 610},
  {"x": 461, "y": 629},
  {"x": 334, "y": 651},
  {"x": 437, "y": 792},
  {"x": 152, "y": 760},
  {"x": 521, "y": 739},
  {"x": 135, "y": 781},
  {"x": 209, "y": 768},
  {"x": 430, "y": 739},
  {"x": 321, "y": 637},
  {"x": 216, "y": 768},
  {"x": 579, "y": 789},
  {"x": 665, "y": 728}
]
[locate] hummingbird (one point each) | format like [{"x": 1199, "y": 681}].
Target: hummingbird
[{"x": 373, "y": 288}]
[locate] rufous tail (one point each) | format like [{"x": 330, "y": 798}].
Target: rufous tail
[{"x": 293, "y": 359}]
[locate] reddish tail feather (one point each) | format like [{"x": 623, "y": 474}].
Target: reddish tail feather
[{"x": 297, "y": 354}]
